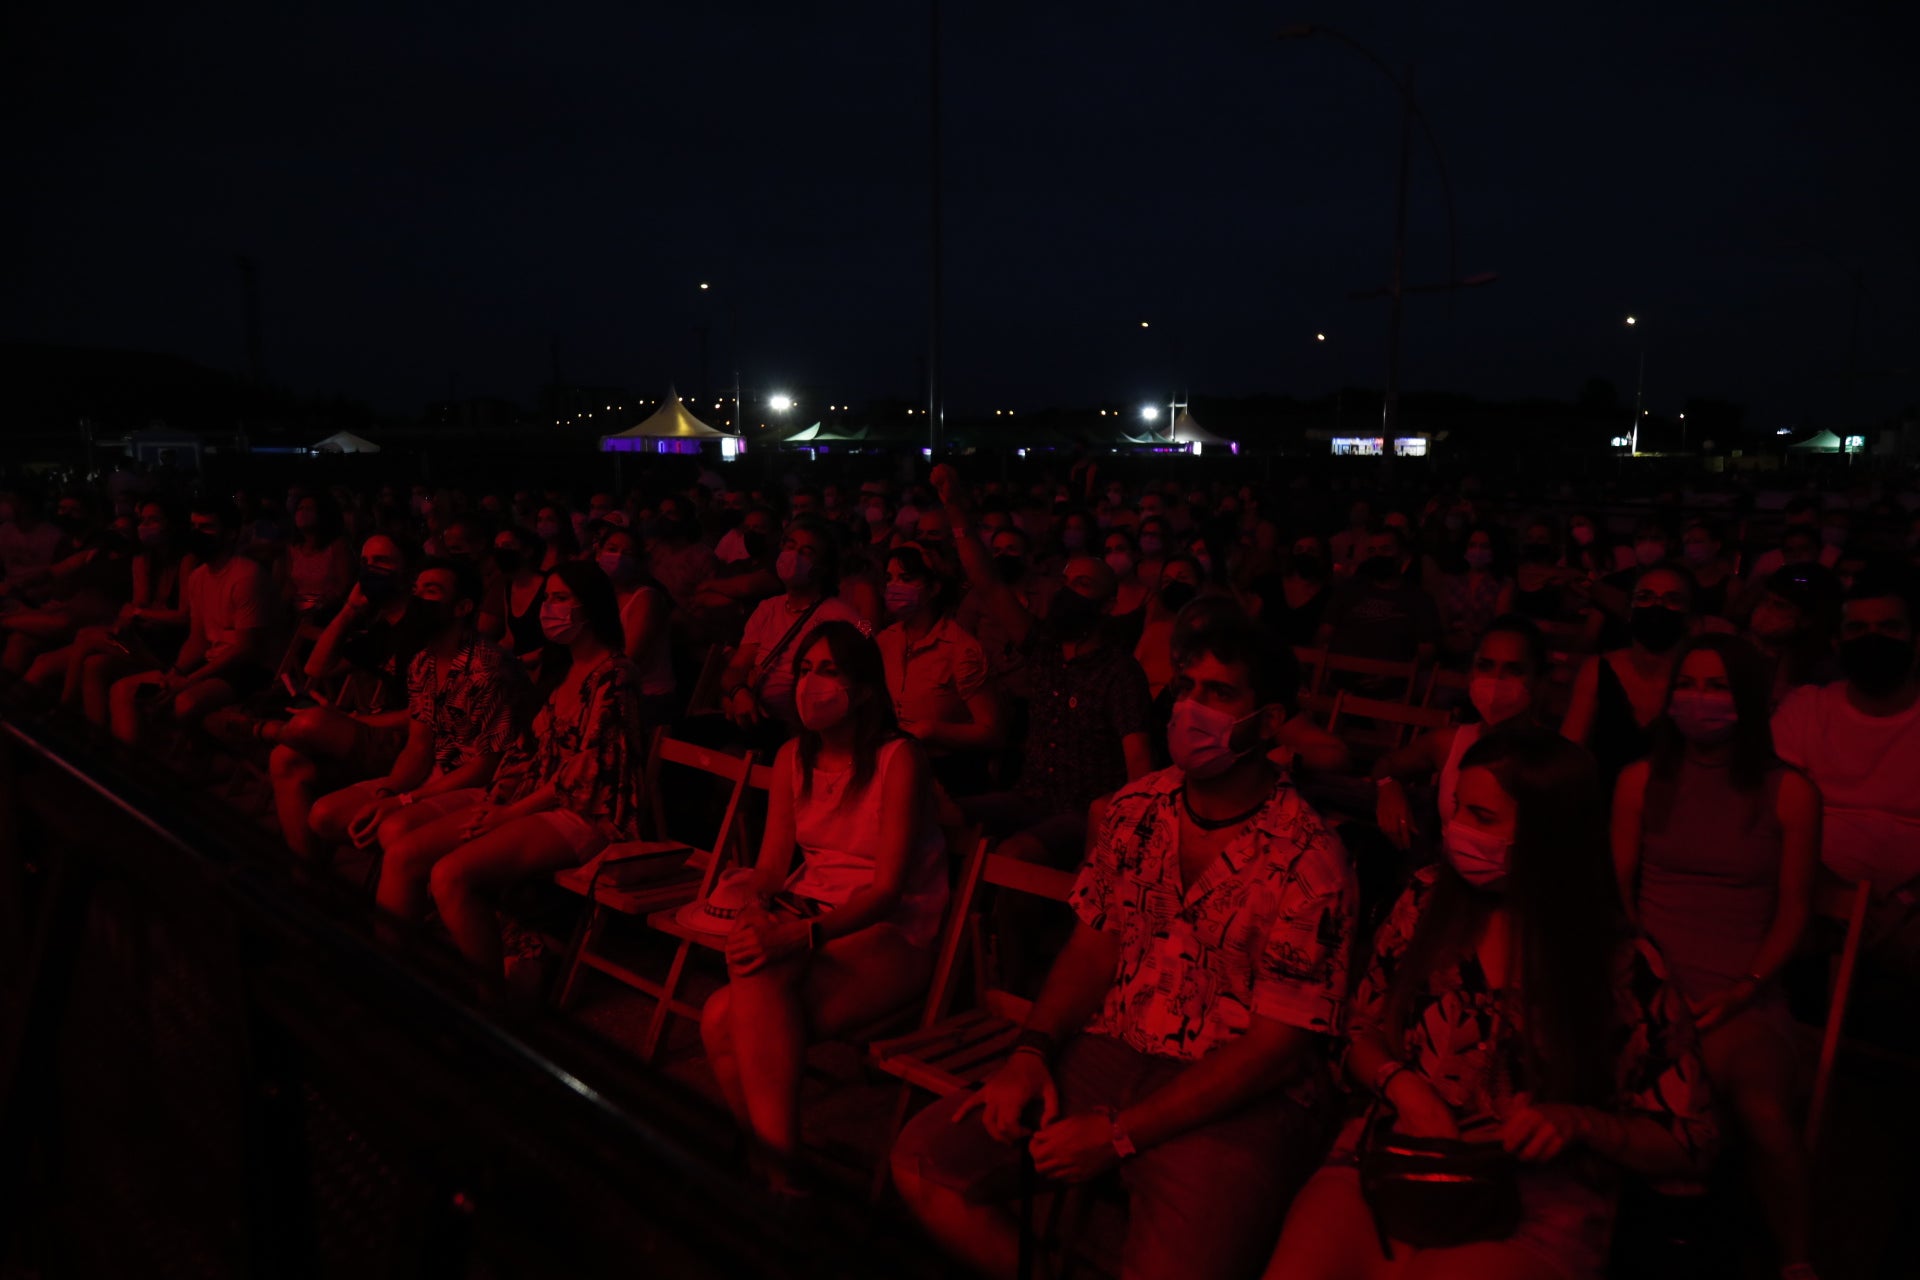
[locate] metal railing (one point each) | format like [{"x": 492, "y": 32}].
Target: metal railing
[{"x": 211, "y": 1067}]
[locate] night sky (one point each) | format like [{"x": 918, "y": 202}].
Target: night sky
[{"x": 435, "y": 197}]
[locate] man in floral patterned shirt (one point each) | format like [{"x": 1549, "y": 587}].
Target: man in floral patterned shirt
[
  {"x": 1181, "y": 1035},
  {"x": 467, "y": 701}
]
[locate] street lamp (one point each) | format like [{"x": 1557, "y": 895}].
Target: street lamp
[
  {"x": 780, "y": 403},
  {"x": 1640, "y": 382},
  {"x": 1150, "y": 412},
  {"x": 1397, "y": 290}
]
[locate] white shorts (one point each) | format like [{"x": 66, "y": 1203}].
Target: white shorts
[{"x": 581, "y": 836}]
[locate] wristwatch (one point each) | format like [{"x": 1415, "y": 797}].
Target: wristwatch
[{"x": 1122, "y": 1140}]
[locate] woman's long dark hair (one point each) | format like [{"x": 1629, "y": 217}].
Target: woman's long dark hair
[
  {"x": 1565, "y": 907},
  {"x": 594, "y": 590},
  {"x": 1753, "y": 756},
  {"x": 870, "y": 706}
]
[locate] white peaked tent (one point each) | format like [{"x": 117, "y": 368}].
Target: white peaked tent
[
  {"x": 1187, "y": 431},
  {"x": 1820, "y": 442},
  {"x": 672, "y": 421},
  {"x": 346, "y": 442}
]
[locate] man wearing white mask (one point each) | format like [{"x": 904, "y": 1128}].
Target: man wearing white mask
[
  {"x": 1180, "y": 1036},
  {"x": 1505, "y": 686}
]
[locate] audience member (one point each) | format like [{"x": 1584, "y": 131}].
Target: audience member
[
  {"x": 1470, "y": 595},
  {"x": 645, "y": 613},
  {"x": 565, "y": 790},
  {"x": 1179, "y": 1037},
  {"x": 1716, "y": 846},
  {"x": 1506, "y": 686},
  {"x": 1616, "y": 695},
  {"x": 936, "y": 674},
  {"x": 230, "y": 620},
  {"x": 1859, "y": 741},
  {"x": 1381, "y": 614},
  {"x": 846, "y": 935},
  {"x": 465, "y": 703},
  {"x": 1508, "y": 1005}
]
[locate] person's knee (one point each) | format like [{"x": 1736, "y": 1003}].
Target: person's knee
[
  {"x": 303, "y": 730},
  {"x": 284, "y": 764},
  {"x": 391, "y": 833},
  {"x": 1767, "y": 1118},
  {"x": 448, "y": 882}
]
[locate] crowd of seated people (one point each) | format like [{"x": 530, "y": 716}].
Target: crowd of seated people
[{"x": 1542, "y": 925}]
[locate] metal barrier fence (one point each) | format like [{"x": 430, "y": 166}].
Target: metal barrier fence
[{"x": 210, "y": 1069}]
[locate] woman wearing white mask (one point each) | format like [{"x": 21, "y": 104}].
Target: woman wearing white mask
[
  {"x": 1716, "y": 845},
  {"x": 846, "y": 934},
  {"x": 1508, "y": 1009},
  {"x": 1117, "y": 549},
  {"x": 1505, "y": 685},
  {"x": 565, "y": 791},
  {"x": 756, "y": 689}
]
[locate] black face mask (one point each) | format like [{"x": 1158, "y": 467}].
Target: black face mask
[
  {"x": 755, "y": 542},
  {"x": 378, "y": 585},
  {"x": 1877, "y": 664},
  {"x": 1071, "y": 615},
  {"x": 1175, "y": 596},
  {"x": 1657, "y": 628},
  {"x": 507, "y": 558},
  {"x": 1312, "y": 568},
  {"x": 1536, "y": 554},
  {"x": 1009, "y": 569},
  {"x": 204, "y": 546},
  {"x": 1380, "y": 568}
]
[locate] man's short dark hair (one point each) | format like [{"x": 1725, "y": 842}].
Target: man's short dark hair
[
  {"x": 221, "y": 509},
  {"x": 467, "y": 583},
  {"x": 1217, "y": 627},
  {"x": 1801, "y": 503},
  {"x": 1887, "y": 578}
]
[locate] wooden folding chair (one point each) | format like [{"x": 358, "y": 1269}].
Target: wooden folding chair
[
  {"x": 637, "y": 878},
  {"x": 705, "y": 697},
  {"x": 948, "y": 1054},
  {"x": 1401, "y": 721},
  {"x": 1440, "y": 678},
  {"x": 1847, "y": 904},
  {"x": 1408, "y": 672},
  {"x": 1311, "y": 663}
]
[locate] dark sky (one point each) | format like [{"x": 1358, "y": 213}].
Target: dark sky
[{"x": 437, "y": 195}]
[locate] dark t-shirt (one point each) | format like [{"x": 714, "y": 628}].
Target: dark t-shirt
[
  {"x": 1078, "y": 710},
  {"x": 385, "y": 650},
  {"x": 1386, "y": 623}
]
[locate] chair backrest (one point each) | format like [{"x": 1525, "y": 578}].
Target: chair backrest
[
  {"x": 1404, "y": 719},
  {"x": 1376, "y": 668},
  {"x": 1847, "y": 904},
  {"x": 1442, "y": 678},
  {"x": 706, "y": 686},
  {"x": 1312, "y": 666},
  {"x": 953, "y": 929},
  {"x": 732, "y": 770},
  {"x": 1011, "y": 875}
]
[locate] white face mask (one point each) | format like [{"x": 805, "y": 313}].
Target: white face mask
[
  {"x": 1499, "y": 698},
  {"x": 1479, "y": 856},
  {"x": 821, "y": 701},
  {"x": 1200, "y": 739}
]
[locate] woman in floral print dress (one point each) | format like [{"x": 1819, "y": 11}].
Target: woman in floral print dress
[{"x": 1507, "y": 1001}]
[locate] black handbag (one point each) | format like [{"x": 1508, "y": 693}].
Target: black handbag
[{"x": 1433, "y": 1193}]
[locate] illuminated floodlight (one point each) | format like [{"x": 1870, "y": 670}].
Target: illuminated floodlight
[
  {"x": 780, "y": 403},
  {"x": 1151, "y": 413}
]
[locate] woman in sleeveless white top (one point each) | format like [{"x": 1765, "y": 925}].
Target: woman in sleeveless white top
[
  {"x": 850, "y": 884},
  {"x": 1506, "y": 684}
]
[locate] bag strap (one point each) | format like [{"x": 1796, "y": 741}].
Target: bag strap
[{"x": 773, "y": 655}]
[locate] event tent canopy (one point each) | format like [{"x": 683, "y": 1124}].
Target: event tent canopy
[
  {"x": 672, "y": 421},
  {"x": 821, "y": 434},
  {"x": 1820, "y": 442},
  {"x": 346, "y": 442},
  {"x": 1187, "y": 431}
]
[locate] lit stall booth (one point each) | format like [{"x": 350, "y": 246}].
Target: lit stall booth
[
  {"x": 671, "y": 429},
  {"x": 1185, "y": 436},
  {"x": 1345, "y": 446}
]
